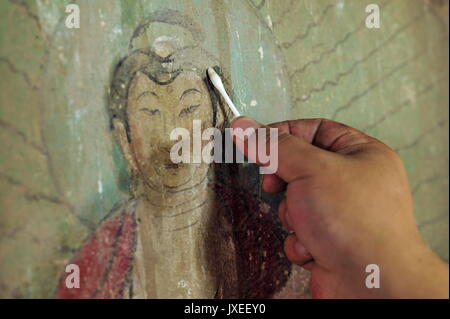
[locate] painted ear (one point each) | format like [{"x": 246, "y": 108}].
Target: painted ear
[{"x": 122, "y": 137}]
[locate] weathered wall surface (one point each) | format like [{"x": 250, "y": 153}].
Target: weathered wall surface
[{"x": 61, "y": 172}]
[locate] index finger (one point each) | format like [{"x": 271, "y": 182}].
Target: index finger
[{"x": 325, "y": 134}]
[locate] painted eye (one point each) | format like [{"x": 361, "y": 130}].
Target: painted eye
[
  {"x": 189, "y": 110},
  {"x": 150, "y": 111}
]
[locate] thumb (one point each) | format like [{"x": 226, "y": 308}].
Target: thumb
[{"x": 294, "y": 158}]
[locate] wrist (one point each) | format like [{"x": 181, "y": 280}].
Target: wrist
[{"x": 417, "y": 273}]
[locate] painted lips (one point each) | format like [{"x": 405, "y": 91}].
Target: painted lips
[{"x": 172, "y": 166}]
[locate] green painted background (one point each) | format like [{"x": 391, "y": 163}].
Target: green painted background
[{"x": 60, "y": 171}]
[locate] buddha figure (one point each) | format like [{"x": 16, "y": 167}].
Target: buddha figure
[{"x": 188, "y": 230}]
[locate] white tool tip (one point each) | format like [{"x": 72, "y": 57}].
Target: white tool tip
[
  {"x": 217, "y": 82},
  {"x": 213, "y": 75}
]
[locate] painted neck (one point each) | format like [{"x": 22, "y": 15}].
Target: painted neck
[
  {"x": 173, "y": 232},
  {"x": 175, "y": 207}
]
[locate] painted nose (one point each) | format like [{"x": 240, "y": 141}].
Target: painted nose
[{"x": 166, "y": 146}]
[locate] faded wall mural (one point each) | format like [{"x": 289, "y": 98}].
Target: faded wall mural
[
  {"x": 85, "y": 117},
  {"x": 182, "y": 233}
]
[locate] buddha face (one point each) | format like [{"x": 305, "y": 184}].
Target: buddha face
[{"x": 153, "y": 111}]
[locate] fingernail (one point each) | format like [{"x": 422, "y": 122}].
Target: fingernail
[
  {"x": 299, "y": 247},
  {"x": 244, "y": 122}
]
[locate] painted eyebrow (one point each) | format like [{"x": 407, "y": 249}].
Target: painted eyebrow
[
  {"x": 149, "y": 111},
  {"x": 146, "y": 93},
  {"x": 189, "y": 91}
]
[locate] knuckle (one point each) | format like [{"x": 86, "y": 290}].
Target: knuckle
[{"x": 393, "y": 156}]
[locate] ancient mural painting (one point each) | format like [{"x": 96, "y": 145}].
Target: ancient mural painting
[
  {"x": 86, "y": 115},
  {"x": 187, "y": 230},
  {"x": 154, "y": 228}
]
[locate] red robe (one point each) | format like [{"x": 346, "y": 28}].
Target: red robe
[{"x": 105, "y": 261}]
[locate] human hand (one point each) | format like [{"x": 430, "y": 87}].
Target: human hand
[{"x": 349, "y": 205}]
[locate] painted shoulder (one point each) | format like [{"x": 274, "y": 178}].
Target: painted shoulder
[{"x": 105, "y": 260}]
